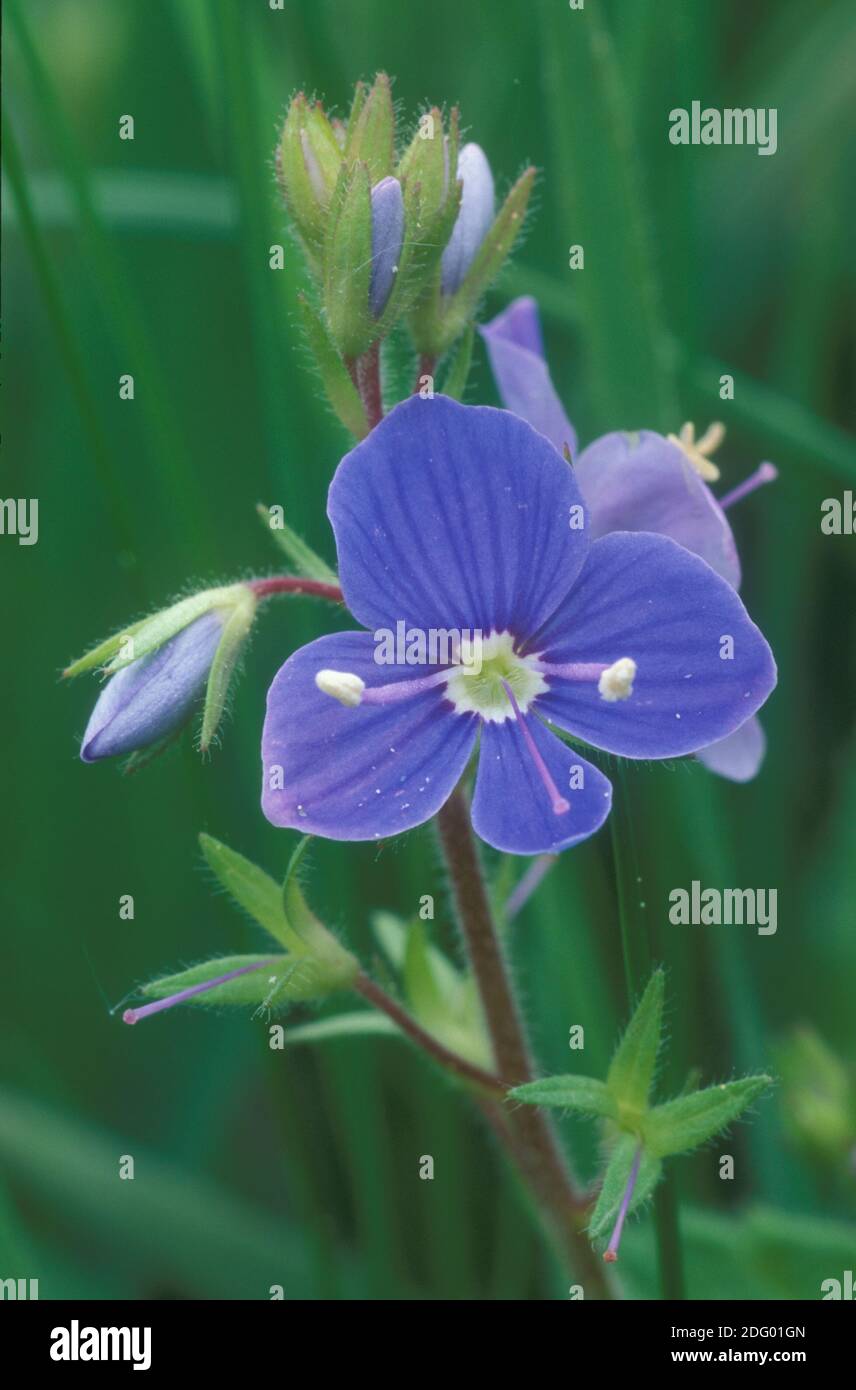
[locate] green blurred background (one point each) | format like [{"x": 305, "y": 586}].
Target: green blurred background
[{"x": 151, "y": 257}]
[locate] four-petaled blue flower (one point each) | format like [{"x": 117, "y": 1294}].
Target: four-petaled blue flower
[
  {"x": 638, "y": 482},
  {"x": 465, "y": 519}
]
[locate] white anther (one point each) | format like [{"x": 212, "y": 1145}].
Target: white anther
[
  {"x": 344, "y": 686},
  {"x": 616, "y": 682}
]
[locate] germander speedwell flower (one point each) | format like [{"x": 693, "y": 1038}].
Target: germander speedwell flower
[
  {"x": 465, "y": 519},
  {"x": 634, "y": 482}
]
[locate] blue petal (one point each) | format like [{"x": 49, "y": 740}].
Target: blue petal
[
  {"x": 474, "y": 219},
  {"x": 739, "y": 756},
  {"x": 511, "y": 808},
  {"x": 516, "y": 351},
  {"x": 645, "y": 597},
  {"x": 387, "y": 239},
  {"x": 364, "y": 773},
  {"x": 455, "y": 516},
  {"x": 149, "y": 698},
  {"x": 644, "y": 483}
]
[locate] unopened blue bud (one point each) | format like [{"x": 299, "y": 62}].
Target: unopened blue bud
[
  {"x": 387, "y": 240},
  {"x": 474, "y": 217},
  {"x": 152, "y": 696}
]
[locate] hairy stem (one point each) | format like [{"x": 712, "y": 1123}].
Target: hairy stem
[
  {"x": 295, "y": 584},
  {"x": 529, "y": 1133},
  {"x": 450, "y": 1061},
  {"x": 366, "y": 376}
]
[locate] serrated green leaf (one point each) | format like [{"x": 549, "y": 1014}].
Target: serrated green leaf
[
  {"x": 278, "y": 980},
  {"x": 615, "y": 1182},
  {"x": 631, "y": 1071},
  {"x": 584, "y": 1094},
  {"x": 252, "y": 889},
  {"x": 684, "y": 1123},
  {"x": 361, "y": 1024},
  {"x": 341, "y": 393}
]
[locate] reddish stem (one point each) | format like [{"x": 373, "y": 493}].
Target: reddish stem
[
  {"x": 367, "y": 377},
  {"x": 295, "y": 584}
]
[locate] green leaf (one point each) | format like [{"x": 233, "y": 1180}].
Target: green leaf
[
  {"x": 455, "y": 381},
  {"x": 421, "y": 982},
  {"x": 391, "y": 935},
  {"x": 345, "y": 400},
  {"x": 361, "y": 1024},
  {"x": 615, "y": 1182},
  {"x": 683, "y": 1124},
  {"x": 278, "y": 980},
  {"x": 583, "y": 1094},
  {"x": 632, "y": 1069},
  {"x": 252, "y": 889}
]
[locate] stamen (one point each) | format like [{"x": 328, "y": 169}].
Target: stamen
[
  {"x": 767, "y": 473},
  {"x": 527, "y": 885},
  {"x": 698, "y": 451},
  {"x": 616, "y": 682},
  {"x": 344, "y": 686},
  {"x": 610, "y": 1254},
  {"x": 134, "y": 1015},
  {"x": 351, "y": 690},
  {"x": 558, "y": 802}
]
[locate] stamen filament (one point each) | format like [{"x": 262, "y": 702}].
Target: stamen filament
[
  {"x": 572, "y": 670},
  {"x": 134, "y": 1015},
  {"x": 611, "y": 1252},
  {"x": 404, "y": 690},
  {"x": 559, "y": 804},
  {"x": 766, "y": 473}
]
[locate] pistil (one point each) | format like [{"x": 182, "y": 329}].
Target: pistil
[
  {"x": 134, "y": 1015},
  {"x": 611, "y": 1252},
  {"x": 766, "y": 473},
  {"x": 559, "y": 803}
]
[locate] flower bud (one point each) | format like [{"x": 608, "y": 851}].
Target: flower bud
[
  {"x": 151, "y": 697},
  {"x": 387, "y": 239},
  {"x": 308, "y": 161},
  {"x": 474, "y": 217}
]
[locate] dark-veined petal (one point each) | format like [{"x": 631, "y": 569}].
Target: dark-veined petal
[
  {"x": 452, "y": 516},
  {"x": 738, "y": 756},
  {"x": 645, "y": 597},
  {"x": 643, "y": 483},
  {"x": 511, "y": 809},
  {"x": 357, "y": 773},
  {"x": 516, "y": 351}
]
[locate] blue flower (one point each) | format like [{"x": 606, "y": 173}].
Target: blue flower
[
  {"x": 451, "y": 518},
  {"x": 633, "y": 482},
  {"x": 474, "y": 219},
  {"x": 387, "y": 239}
]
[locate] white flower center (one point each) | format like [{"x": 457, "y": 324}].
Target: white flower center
[{"x": 478, "y": 688}]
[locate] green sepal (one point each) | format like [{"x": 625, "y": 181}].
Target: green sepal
[
  {"x": 147, "y": 634},
  {"x": 371, "y": 129},
  {"x": 347, "y": 263},
  {"x": 682, "y": 1124},
  {"x": 631, "y": 1071},
  {"x": 455, "y": 381},
  {"x": 615, "y": 1181},
  {"x": 308, "y": 162},
  {"x": 583, "y": 1094},
  {"x": 425, "y": 162},
  {"x": 440, "y": 320},
  {"x": 252, "y": 889},
  {"x": 154, "y": 631},
  {"x": 341, "y": 391},
  {"x": 301, "y": 556},
  {"x": 364, "y": 1023},
  {"x": 339, "y": 966},
  {"x": 282, "y": 980},
  {"x": 236, "y": 630}
]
